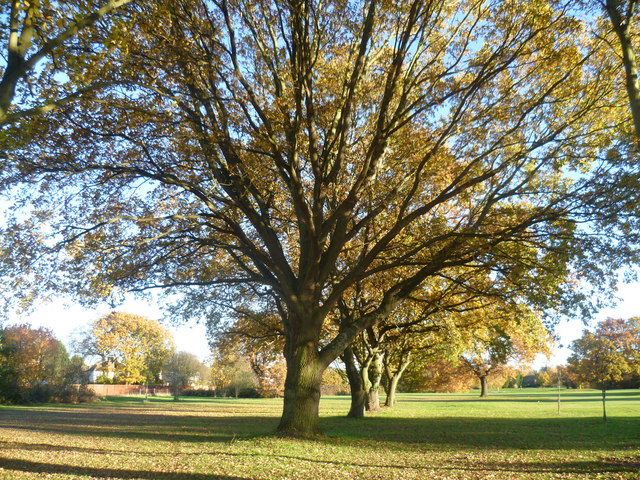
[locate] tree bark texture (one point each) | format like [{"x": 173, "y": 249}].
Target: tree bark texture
[
  {"x": 621, "y": 23},
  {"x": 302, "y": 391},
  {"x": 391, "y": 391},
  {"x": 358, "y": 395},
  {"x": 484, "y": 387},
  {"x": 375, "y": 377}
]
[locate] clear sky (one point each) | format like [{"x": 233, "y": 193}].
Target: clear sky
[{"x": 64, "y": 320}]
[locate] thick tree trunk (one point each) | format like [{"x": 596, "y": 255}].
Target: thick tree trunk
[
  {"x": 604, "y": 404},
  {"x": 373, "y": 400},
  {"x": 302, "y": 391},
  {"x": 484, "y": 387},
  {"x": 358, "y": 395}
]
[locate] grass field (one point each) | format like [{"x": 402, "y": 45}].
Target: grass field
[{"x": 513, "y": 434}]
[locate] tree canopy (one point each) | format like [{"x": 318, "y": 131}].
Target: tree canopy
[
  {"x": 133, "y": 347},
  {"x": 35, "y": 367},
  {"x": 34, "y": 354},
  {"x": 509, "y": 335},
  {"x": 292, "y": 150},
  {"x": 181, "y": 369},
  {"x": 605, "y": 356},
  {"x": 46, "y": 64}
]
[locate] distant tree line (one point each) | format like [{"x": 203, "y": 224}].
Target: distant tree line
[
  {"x": 121, "y": 348},
  {"x": 606, "y": 358},
  {"x": 125, "y": 348},
  {"x": 482, "y": 349}
]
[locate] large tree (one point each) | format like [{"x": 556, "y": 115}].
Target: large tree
[
  {"x": 294, "y": 149},
  {"x": 385, "y": 349},
  {"x": 428, "y": 324}
]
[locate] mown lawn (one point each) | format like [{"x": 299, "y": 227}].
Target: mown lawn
[{"x": 513, "y": 434}]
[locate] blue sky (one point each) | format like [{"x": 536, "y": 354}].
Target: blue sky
[{"x": 628, "y": 306}]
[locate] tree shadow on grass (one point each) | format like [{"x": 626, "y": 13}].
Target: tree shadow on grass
[
  {"x": 457, "y": 463},
  {"x": 441, "y": 432},
  {"x": 491, "y": 433},
  {"x": 175, "y": 427},
  {"x": 551, "y": 433},
  {"x": 456, "y": 435},
  {"x": 50, "y": 469}
]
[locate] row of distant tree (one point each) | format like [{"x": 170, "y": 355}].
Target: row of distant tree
[
  {"x": 131, "y": 349},
  {"x": 463, "y": 346},
  {"x": 455, "y": 353},
  {"x": 122, "y": 348},
  {"x": 605, "y": 358}
]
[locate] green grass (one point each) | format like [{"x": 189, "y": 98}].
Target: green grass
[{"x": 513, "y": 434}]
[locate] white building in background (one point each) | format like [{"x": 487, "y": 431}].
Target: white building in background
[{"x": 96, "y": 372}]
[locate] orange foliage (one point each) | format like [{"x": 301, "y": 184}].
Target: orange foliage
[{"x": 271, "y": 379}]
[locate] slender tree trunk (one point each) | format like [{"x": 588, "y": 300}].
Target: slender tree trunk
[
  {"x": 15, "y": 63},
  {"x": 633, "y": 90},
  {"x": 604, "y": 405},
  {"x": 302, "y": 390},
  {"x": 387, "y": 385},
  {"x": 391, "y": 391},
  {"x": 358, "y": 395},
  {"x": 366, "y": 382},
  {"x": 375, "y": 376},
  {"x": 484, "y": 387},
  {"x": 394, "y": 377}
]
